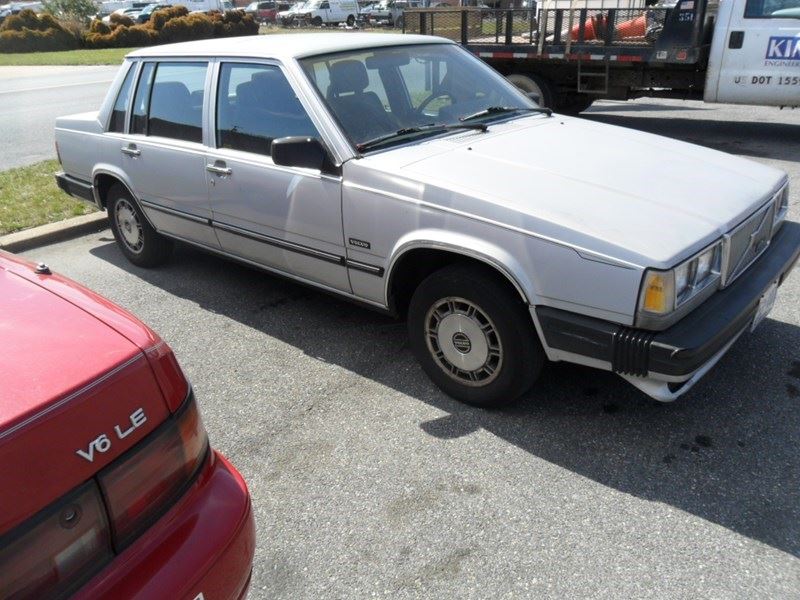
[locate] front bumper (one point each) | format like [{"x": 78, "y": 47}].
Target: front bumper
[
  {"x": 203, "y": 545},
  {"x": 665, "y": 364}
]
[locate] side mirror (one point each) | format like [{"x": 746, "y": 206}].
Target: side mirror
[
  {"x": 535, "y": 96},
  {"x": 300, "y": 151}
]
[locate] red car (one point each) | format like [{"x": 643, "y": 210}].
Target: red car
[{"x": 109, "y": 488}]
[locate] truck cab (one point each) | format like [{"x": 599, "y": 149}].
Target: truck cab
[{"x": 755, "y": 53}]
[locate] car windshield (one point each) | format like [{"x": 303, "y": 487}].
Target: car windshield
[
  {"x": 407, "y": 89},
  {"x": 755, "y": 9}
]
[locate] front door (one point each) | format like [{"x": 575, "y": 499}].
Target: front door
[
  {"x": 164, "y": 155},
  {"x": 283, "y": 218},
  {"x": 760, "y": 54}
]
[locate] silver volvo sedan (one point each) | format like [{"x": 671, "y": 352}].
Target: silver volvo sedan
[{"x": 402, "y": 172}]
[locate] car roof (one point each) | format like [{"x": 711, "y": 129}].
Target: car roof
[{"x": 285, "y": 46}]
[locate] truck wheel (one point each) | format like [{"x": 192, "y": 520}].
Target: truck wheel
[
  {"x": 139, "y": 242},
  {"x": 350, "y": 20},
  {"x": 574, "y": 104},
  {"x": 316, "y": 21},
  {"x": 528, "y": 82},
  {"x": 473, "y": 336}
]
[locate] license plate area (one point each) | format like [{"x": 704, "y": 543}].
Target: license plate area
[{"x": 765, "y": 305}]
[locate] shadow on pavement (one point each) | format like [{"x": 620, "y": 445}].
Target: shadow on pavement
[{"x": 726, "y": 452}]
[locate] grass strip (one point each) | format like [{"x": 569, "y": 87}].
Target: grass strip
[{"x": 30, "y": 197}]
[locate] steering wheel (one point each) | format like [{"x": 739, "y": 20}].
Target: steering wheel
[{"x": 433, "y": 96}]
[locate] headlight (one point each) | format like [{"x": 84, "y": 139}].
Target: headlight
[
  {"x": 781, "y": 207},
  {"x": 665, "y": 291}
]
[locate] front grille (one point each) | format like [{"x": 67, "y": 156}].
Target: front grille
[
  {"x": 630, "y": 351},
  {"x": 745, "y": 243}
]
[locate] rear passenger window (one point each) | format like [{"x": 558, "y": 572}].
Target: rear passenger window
[
  {"x": 256, "y": 105},
  {"x": 176, "y": 101},
  {"x": 117, "y": 120}
]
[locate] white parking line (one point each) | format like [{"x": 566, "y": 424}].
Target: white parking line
[{"x": 53, "y": 87}]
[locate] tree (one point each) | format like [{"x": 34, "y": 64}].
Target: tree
[{"x": 71, "y": 9}]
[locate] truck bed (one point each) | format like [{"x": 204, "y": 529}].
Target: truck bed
[{"x": 653, "y": 34}]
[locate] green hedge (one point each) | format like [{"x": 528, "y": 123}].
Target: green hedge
[{"x": 27, "y": 32}]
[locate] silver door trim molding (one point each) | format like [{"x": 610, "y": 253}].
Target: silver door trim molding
[
  {"x": 284, "y": 244},
  {"x": 175, "y": 212}
]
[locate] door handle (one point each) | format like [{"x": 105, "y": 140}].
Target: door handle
[
  {"x": 736, "y": 40},
  {"x": 131, "y": 151},
  {"x": 219, "y": 170}
]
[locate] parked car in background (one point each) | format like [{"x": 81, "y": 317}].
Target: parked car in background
[
  {"x": 131, "y": 13},
  {"x": 328, "y": 12},
  {"x": 209, "y": 5},
  {"x": 147, "y": 11},
  {"x": 403, "y": 172},
  {"x": 288, "y": 17},
  {"x": 390, "y": 12},
  {"x": 265, "y": 12},
  {"x": 110, "y": 487}
]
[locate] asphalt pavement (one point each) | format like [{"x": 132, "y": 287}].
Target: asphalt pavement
[
  {"x": 369, "y": 482},
  {"x": 32, "y": 97}
]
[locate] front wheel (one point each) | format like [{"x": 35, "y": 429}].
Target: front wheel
[
  {"x": 473, "y": 336},
  {"x": 139, "y": 242},
  {"x": 350, "y": 20},
  {"x": 316, "y": 21}
]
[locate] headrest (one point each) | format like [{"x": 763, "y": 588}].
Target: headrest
[
  {"x": 348, "y": 76},
  {"x": 172, "y": 92}
]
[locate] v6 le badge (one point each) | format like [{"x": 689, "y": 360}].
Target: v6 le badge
[{"x": 102, "y": 443}]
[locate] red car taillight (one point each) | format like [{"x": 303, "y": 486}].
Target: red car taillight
[
  {"x": 61, "y": 547},
  {"x": 140, "y": 487},
  {"x": 58, "y": 549}
]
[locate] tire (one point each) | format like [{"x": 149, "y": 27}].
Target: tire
[
  {"x": 350, "y": 20},
  {"x": 460, "y": 310},
  {"x": 574, "y": 104},
  {"x": 528, "y": 82},
  {"x": 316, "y": 21},
  {"x": 139, "y": 242}
]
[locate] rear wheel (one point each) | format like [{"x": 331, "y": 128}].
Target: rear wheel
[
  {"x": 473, "y": 336},
  {"x": 530, "y": 83},
  {"x": 350, "y": 20},
  {"x": 139, "y": 242}
]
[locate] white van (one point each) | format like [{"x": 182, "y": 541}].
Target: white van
[
  {"x": 205, "y": 5},
  {"x": 319, "y": 12}
]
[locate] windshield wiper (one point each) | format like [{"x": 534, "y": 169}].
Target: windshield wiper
[
  {"x": 497, "y": 110},
  {"x": 400, "y": 133}
]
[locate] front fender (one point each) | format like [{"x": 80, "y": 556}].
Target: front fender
[{"x": 466, "y": 245}]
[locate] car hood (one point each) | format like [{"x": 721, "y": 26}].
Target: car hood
[{"x": 636, "y": 197}]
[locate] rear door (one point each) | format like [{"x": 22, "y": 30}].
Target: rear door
[
  {"x": 756, "y": 58},
  {"x": 164, "y": 156}
]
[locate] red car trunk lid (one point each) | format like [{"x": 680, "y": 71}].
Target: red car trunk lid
[{"x": 74, "y": 392}]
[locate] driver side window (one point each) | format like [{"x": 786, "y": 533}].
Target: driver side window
[
  {"x": 256, "y": 105},
  {"x": 423, "y": 80}
]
